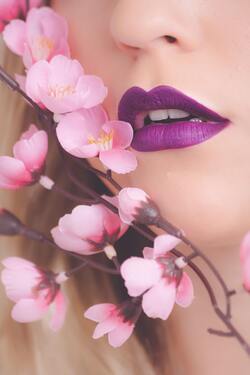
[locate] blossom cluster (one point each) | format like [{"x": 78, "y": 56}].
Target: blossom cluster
[{"x": 58, "y": 84}]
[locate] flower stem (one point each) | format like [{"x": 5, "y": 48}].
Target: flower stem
[
  {"x": 76, "y": 269},
  {"x": 45, "y": 116}
]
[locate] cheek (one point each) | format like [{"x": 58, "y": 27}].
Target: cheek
[{"x": 203, "y": 190}]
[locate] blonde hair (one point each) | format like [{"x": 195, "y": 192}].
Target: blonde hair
[{"x": 31, "y": 349}]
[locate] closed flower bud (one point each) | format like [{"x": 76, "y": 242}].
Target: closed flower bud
[
  {"x": 10, "y": 225},
  {"x": 136, "y": 205}
]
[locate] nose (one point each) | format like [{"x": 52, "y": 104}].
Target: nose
[{"x": 138, "y": 25}]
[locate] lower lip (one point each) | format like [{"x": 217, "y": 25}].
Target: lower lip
[{"x": 162, "y": 136}]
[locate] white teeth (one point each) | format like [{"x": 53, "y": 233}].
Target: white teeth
[
  {"x": 163, "y": 114},
  {"x": 196, "y": 120},
  {"x": 159, "y": 114},
  {"x": 177, "y": 113}
]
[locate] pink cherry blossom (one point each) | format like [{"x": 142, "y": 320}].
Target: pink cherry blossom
[
  {"x": 111, "y": 320},
  {"x": 88, "y": 133},
  {"x": 34, "y": 292},
  {"x": 28, "y": 161},
  {"x": 43, "y": 36},
  {"x": 136, "y": 205},
  {"x": 11, "y": 9},
  {"x": 157, "y": 278},
  {"x": 61, "y": 85},
  {"x": 245, "y": 260},
  {"x": 130, "y": 200},
  {"x": 89, "y": 229}
]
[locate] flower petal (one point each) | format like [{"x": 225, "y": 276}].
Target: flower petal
[
  {"x": 119, "y": 161},
  {"x": 159, "y": 301},
  {"x": 140, "y": 274},
  {"x": 91, "y": 91},
  {"x": 28, "y": 310},
  {"x": 13, "y": 173},
  {"x": 120, "y": 334},
  {"x": 71, "y": 242},
  {"x": 37, "y": 79},
  {"x": 59, "y": 314},
  {"x": 75, "y": 131},
  {"x": 105, "y": 326},
  {"x": 99, "y": 312},
  {"x": 16, "y": 263},
  {"x": 245, "y": 260},
  {"x": 14, "y": 36},
  {"x": 164, "y": 243},
  {"x": 185, "y": 291},
  {"x": 32, "y": 152},
  {"x": 123, "y": 133}
]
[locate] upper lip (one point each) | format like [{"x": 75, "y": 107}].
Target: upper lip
[{"x": 136, "y": 99}]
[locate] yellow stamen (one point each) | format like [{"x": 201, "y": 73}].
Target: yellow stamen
[
  {"x": 104, "y": 141},
  {"x": 42, "y": 48},
  {"x": 61, "y": 91}
]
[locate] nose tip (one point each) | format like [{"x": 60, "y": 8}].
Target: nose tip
[{"x": 142, "y": 24}]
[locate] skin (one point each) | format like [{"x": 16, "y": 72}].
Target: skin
[{"x": 203, "y": 189}]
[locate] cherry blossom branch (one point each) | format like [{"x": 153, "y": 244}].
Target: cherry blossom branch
[
  {"x": 76, "y": 269},
  {"x": 49, "y": 184},
  {"x": 46, "y": 118},
  {"x": 171, "y": 229},
  {"x": 27, "y": 5},
  {"x": 40, "y": 237}
]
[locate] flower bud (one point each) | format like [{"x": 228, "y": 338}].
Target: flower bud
[
  {"x": 10, "y": 225},
  {"x": 136, "y": 205}
]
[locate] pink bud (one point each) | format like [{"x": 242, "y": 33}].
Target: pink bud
[
  {"x": 245, "y": 260},
  {"x": 136, "y": 205},
  {"x": 28, "y": 162}
]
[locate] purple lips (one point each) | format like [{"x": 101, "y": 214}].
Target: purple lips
[{"x": 154, "y": 136}]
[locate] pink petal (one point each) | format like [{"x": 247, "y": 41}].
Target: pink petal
[
  {"x": 70, "y": 242},
  {"x": 16, "y": 263},
  {"x": 64, "y": 71},
  {"x": 84, "y": 221},
  {"x": 105, "y": 326},
  {"x": 148, "y": 253},
  {"x": 30, "y": 132},
  {"x": 245, "y": 260},
  {"x": 99, "y": 312},
  {"x": 120, "y": 334},
  {"x": 37, "y": 79},
  {"x": 140, "y": 274},
  {"x": 91, "y": 91},
  {"x": 129, "y": 200},
  {"x": 159, "y": 301},
  {"x": 19, "y": 283},
  {"x": 45, "y": 23},
  {"x": 112, "y": 221},
  {"x": 123, "y": 133},
  {"x": 28, "y": 310},
  {"x": 119, "y": 161},
  {"x": 185, "y": 291},
  {"x": 14, "y": 36},
  {"x": 59, "y": 313},
  {"x": 164, "y": 243},
  {"x": 32, "y": 151},
  {"x": 13, "y": 173},
  {"x": 75, "y": 130}
]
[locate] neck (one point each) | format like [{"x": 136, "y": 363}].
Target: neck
[{"x": 193, "y": 350}]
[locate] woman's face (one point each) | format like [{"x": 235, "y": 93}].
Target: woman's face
[{"x": 204, "y": 189}]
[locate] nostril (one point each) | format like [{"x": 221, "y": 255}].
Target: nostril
[{"x": 171, "y": 39}]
